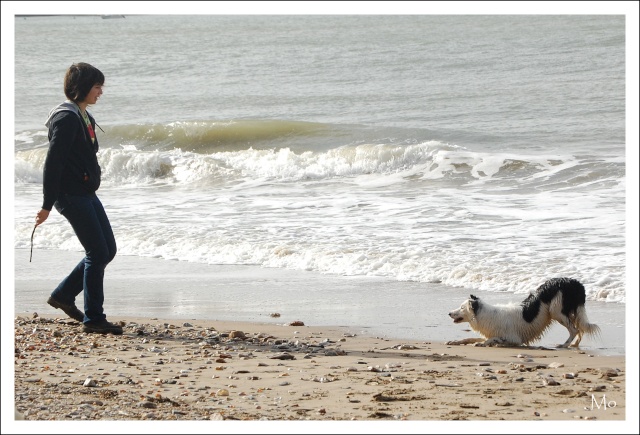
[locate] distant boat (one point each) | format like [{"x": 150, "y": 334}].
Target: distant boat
[{"x": 112, "y": 16}]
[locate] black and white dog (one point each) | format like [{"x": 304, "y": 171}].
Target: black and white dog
[{"x": 559, "y": 299}]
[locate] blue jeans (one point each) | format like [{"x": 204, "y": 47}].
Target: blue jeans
[{"x": 89, "y": 221}]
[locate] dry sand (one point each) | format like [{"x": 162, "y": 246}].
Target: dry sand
[{"x": 197, "y": 371}]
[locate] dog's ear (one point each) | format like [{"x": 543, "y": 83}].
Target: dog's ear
[
  {"x": 475, "y": 305},
  {"x": 473, "y": 298}
]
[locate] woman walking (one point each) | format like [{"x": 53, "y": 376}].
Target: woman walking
[{"x": 71, "y": 178}]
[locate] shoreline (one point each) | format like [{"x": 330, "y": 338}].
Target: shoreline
[{"x": 171, "y": 289}]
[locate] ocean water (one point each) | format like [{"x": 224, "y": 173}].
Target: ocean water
[{"x": 478, "y": 152}]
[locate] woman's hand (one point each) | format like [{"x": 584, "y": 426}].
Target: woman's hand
[{"x": 41, "y": 216}]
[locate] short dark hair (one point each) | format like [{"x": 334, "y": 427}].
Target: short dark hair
[{"x": 79, "y": 80}]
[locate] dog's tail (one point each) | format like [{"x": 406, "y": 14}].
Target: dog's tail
[{"x": 583, "y": 325}]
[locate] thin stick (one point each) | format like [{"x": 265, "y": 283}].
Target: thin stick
[{"x": 32, "y": 233}]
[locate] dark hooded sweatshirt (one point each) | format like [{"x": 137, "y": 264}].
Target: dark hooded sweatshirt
[{"x": 71, "y": 165}]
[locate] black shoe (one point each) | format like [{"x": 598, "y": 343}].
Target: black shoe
[
  {"x": 102, "y": 327},
  {"x": 70, "y": 310}
]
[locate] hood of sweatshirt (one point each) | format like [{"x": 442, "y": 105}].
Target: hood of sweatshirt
[{"x": 67, "y": 106}]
